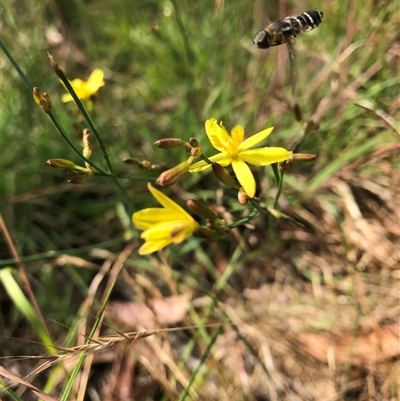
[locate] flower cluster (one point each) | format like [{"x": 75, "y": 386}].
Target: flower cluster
[{"x": 171, "y": 224}]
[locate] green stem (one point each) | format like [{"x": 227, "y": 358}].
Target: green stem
[
  {"x": 244, "y": 220},
  {"x": 82, "y": 108},
  {"x": 74, "y": 148},
  {"x": 202, "y": 360},
  {"x": 276, "y": 172},
  {"x": 16, "y": 66},
  {"x": 278, "y": 192},
  {"x": 74, "y": 374},
  {"x": 93, "y": 129}
]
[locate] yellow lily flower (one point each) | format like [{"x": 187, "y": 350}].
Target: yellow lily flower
[
  {"x": 238, "y": 152},
  {"x": 163, "y": 226},
  {"x": 85, "y": 89}
]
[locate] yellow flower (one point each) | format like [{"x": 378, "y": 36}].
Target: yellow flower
[
  {"x": 86, "y": 89},
  {"x": 163, "y": 226},
  {"x": 238, "y": 152}
]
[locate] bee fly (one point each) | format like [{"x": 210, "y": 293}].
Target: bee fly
[{"x": 285, "y": 30}]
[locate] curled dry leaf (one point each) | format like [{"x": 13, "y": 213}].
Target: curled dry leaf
[
  {"x": 168, "y": 310},
  {"x": 377, "y": 346}
]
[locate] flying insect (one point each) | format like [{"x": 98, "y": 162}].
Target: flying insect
[{"x": 285, "y": 30}]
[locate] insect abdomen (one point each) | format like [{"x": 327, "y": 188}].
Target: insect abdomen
[{"x": 309, "y": 20}]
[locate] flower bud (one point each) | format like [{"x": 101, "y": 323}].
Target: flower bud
[
  {"x": 305, "y": 157},
  {"x": 194, "y": 143},
  {"x": 170, "y": 143},
  {"x": 243, "y": 198},
  {"x": 223, "y": 176},
  {"x": 142, "y": 164},
  {"x": 145, "y": 165},
  {"x": 87, "y": 151},
  {"x": 201, "y": 209},
  {"x": 174, "y": 174},
  {"x": 62, "y": 164},
  {"x": 220, "y": 226},
  {"x": 194, "y": 149},
  {"x": 297, "y": 112},
  {"x": 37, "y": 95},
  {"x": 207, "y": 233},
  {"x": 131, "y": 161},
  {"x": 45, "y": 104},
  {"x": 159, "y": 168},
  {"x": 80, "y": 177},
  {"x": 53, "y": 64},
  {"x": 42, "y": 99}
]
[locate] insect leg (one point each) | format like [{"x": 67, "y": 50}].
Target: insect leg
[{"x": 290, "y": 40}]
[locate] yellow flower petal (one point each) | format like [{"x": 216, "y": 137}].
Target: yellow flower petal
[
  {"x": 168, "y": 203},
  {"x": 163, "y": 226},
  {"x": 237, "y": 134},
  {"x": 95, "y": 81},
  {"x": 175, "y": 231},
  {"x": 66, "y": 98},
  {"x": 254, "y": 139},
  {"x": 147, "y": 218},
  {"x": 265, "y": 156},
  {"x": 153, "y": 246},
  {"x": 79, "y": 87},
  {"x": 224, "y": 159},
  {"x": 162, "y": 230},
  {"x": 217, "y": 135},
  {"x": 244, "y": 176}
]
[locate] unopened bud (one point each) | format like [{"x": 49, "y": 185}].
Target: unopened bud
[
  {"x": 243, "y": 198},
  {"x": 194, "y": 143},
  {"x": 194, "y": 149},
  {"x": 207, "y": 233},
  {"x": 61, "y": 164},
  {"x": 87, "y": 151},
  {"x": 297, "y": 112},
  {"x": 142, "y": 164},
  {"x": 170, "y": 143},
  {"x": 305, "y": 157},
  {"x": 223, "y": 176},
  {"x": 42, "y": 99},
  {"x": 53, "y": 63},
  {"x": 145, "y": 165},
  {"x": 131, "y": 161},
  {"x": 80, "y": 177},
  {"x": 46, "y": 103},
  {"x": 174, "y": 174},
  {"x": 158, "y": 168},
  {"x": 220, "y": 226},
  {"x": 201, "y": 209},
  {"x": 37, "y": 95}
]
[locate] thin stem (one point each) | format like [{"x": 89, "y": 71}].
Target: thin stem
[
  {"x": 278, "y": 192},
  {"x": 74, "y": 148},
  {"x": 16, "y": 66},
  {"x": 82, "y": 108},
  {"x": 93, "y": 129},
  {"x": 202, "y": 360},
  {"x": 245, "y": 219}
]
